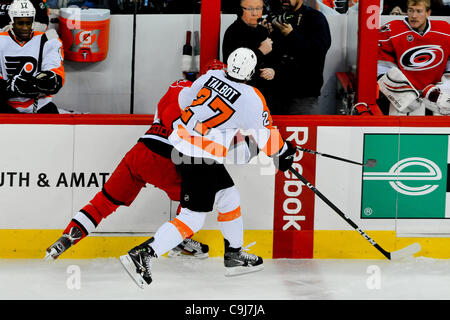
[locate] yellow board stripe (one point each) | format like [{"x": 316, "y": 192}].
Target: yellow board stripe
[
  {"x": 31, "y": 244},
  {"x": 331, "y": 244},
  {"x": 328, "y": 244}
]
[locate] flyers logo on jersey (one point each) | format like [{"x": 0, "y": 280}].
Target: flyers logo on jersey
[
  {"x": 422, "y": 58},
  {"x": 20, "y": 65}
]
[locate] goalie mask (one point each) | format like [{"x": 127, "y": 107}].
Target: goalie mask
[{"x": 241, "y": 64}]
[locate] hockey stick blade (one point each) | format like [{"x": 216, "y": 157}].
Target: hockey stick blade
[{"x": 406, "y": 252}]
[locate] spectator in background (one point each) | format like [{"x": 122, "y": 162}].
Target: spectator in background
[
  {"x": 301, "y": 39},
  {"x": 246, "y": 32},
  {"x": 40, "y": 22},
  {"x": 413, "y": 63},
  {"x": 31, "y": 63}
]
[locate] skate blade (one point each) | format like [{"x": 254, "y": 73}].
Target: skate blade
[
  {"x": 180, "y": 255},
  {"x": 237, "y": 271},
  {"x": 129, "y": 266},
  {"x": 49, "y": 255}
]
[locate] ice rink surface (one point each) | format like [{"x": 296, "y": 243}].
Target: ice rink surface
[{"x": 174, "y": 279}]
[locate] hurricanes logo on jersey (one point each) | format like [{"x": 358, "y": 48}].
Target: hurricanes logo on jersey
[
  {"x": 422, "y": 58},
  {"x": 25, "y": 66}
]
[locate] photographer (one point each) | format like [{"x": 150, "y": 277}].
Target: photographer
[
  {"x": 301, "y": 39},
  {"x": 246, "y": 32}
]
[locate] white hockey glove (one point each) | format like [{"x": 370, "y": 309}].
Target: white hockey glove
[
  {"x": 20, "y": 86},
  {"x": 47, "y": 82},
  {"x": 399, "y": 90},
  {"x": 437, "y": 100},
  {"x": 444, "y": 84}
]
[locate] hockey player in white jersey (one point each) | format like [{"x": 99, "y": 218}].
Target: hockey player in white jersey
[
  {"x": 216, "y": 106},
  {"x": 31, "y": 63}
]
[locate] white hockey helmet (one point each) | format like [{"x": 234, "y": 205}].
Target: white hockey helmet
[
  {"x": 241, "y": 64},
  {"x": 21, "y": 9}
]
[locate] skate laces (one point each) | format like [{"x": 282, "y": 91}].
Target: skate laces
[
  {"x": 193, "y": 243},
  {"x": 74, "y": 234},
  {"x": 248, "y": 256},
  {"x": 147, "y": 262}
]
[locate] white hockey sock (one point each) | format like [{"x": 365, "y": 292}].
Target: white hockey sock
[
  {"x": 233, "y": 231},
  {"x": 166, "y": 238},
  {"x": 170, "y": 234}
]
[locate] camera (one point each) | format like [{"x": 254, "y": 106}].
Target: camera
[{"x": 285, "y": 17}]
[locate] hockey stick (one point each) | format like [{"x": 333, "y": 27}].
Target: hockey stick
[
  {"x": 394, "y": 255},
  {"x": 369, "y": 164}
]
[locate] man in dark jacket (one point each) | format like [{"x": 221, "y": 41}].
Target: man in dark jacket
[
  {"x": 301, "y": 39},
  {"x": 247, "y": 32}
]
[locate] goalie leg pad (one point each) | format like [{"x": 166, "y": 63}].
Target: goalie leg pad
[{"x": 399, "y": 90}]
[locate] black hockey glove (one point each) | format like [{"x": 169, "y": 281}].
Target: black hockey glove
[
  {"x": 48, "y": 82},
  {"x": 284, "y": 161},
  {"x": 21, "y": 86}
]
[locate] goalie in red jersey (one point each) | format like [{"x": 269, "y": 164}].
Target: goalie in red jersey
[
  {"x": 153, "y": 150},
  {"x": 413, "y": 62}
]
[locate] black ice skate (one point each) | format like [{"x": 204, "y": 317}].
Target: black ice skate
[
  {"x": 238, "y": 262},
  {"x": 138, "y": 263},
  {"x": 190, "y": 248},
  {"x": 63, "y": 243}
]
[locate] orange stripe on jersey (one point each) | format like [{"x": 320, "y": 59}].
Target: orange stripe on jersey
[
  {"x": 213, "y": 148},
  {"x": 182, "y": 228},
  {"x": 60, "y": 70},
  {"x": 229, "y": 216},
  {"x": 275, "y": 141}
]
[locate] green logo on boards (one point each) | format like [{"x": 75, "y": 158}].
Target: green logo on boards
[{"x": 410, "y": 178}]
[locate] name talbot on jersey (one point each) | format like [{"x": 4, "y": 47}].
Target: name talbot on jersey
[
  {"x": 63, "y": 180},
  {"x": 223, "y": 89}
]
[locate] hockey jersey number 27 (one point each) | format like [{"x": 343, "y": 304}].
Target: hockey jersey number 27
[{"x": 214, "y": 110}]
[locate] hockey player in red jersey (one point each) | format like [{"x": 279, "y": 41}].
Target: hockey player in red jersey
[
  {"x": 216, "y": 106},
  {"x": 413, "y": 62},
  {"x": 149, "y": 161},
  {"x": 31, "y": 63}
]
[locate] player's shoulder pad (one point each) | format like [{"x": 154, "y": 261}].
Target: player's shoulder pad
[{"x": 51, "y": 34}]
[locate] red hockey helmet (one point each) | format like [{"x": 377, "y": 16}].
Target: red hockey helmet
[{"x": 215, "y": 64}]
